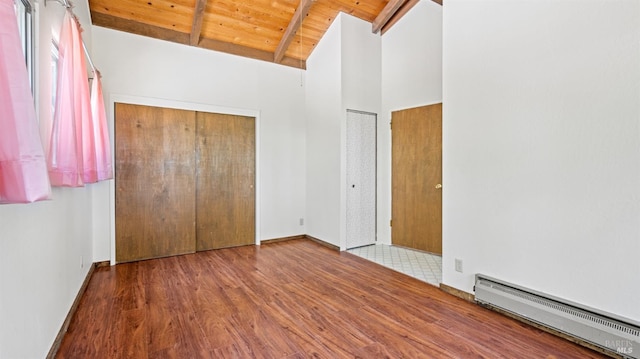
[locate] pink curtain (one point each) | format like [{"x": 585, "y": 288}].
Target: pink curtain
[
  {"x": 23, "y": 171},
  {"x": 99, "y": 115},
  {"x": 72, "y": 155}
]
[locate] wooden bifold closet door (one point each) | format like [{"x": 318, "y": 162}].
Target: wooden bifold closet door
[{"x": 185, "y": 181}]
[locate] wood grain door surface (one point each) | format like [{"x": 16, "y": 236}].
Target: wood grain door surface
[
  {"x": 185, "y": 181},
  {"x": 225, "y": 200},
  {"x": 416, "y": 162},
  {"x": 155, "y": 167}
]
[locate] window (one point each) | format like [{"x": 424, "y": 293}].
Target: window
[
  {"x": 55, "y": 54},
  {"x": 24, "y": 15}
]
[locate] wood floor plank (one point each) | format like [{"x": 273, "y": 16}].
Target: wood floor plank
[
  {"x": 130, "y": 293},
  {"x": 293, "y": 299},
  {"x": 372, "y": 351},
  {"x": 97, "y": 302},
  {"x": 131, "y": 333}
]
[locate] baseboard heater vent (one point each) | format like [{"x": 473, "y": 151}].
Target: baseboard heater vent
[{"x": 607, "y": 331}]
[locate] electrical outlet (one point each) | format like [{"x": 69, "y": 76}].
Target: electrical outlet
[
  {"x": 458, "y": 265},
  {"x": 302, "y": 221}
]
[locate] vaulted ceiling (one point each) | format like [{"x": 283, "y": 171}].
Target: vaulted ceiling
[{"x": 280, "y": 31}]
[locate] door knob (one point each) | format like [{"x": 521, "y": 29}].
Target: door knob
[{"x": 438, "y": 186}]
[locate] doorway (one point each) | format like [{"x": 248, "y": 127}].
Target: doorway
[
  {"x": 416, "y": 177},
  {"x": 361, "y": 178},
  {"x": 170, "y": 163}
]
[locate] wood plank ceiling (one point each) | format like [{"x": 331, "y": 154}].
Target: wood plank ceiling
[{"x": 280, "y": 31}]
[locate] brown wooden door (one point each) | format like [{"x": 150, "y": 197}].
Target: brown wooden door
[
  {"x": 416, "y": 167},
  {"x": 155, "y": 187},
  {"x": 225, "y": 200}
]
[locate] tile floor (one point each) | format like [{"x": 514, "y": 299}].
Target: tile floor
[{"x": 424, "y": 266}]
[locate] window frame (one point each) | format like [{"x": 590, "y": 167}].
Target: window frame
[
  {"x": 26, "y": 29},
  {"x": 55, "y": 57}
]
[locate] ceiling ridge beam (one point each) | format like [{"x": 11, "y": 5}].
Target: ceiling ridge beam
[
  {"x": 386, "y": 14},
  {"x": 294, "y": 25},
  {"x": 198, "y": 17},
  {"x": 403, "y": 10}
]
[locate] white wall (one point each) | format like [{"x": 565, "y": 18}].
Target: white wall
[
  {"x": 361, "y": 69},
  {"x": 45, "y": 247},
  {"x": 324, "y": 112},
  {"x": 343, "y": 72},
  {"x": 411, "y": 77},
  {"x": 169, "y": 74},
  {"x": 361, "y": 81},
  {"x": 542, "y": 147}
]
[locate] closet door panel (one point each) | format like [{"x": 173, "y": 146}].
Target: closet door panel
[
  {"x": 155, "y": 182},
  {"x": 361, "y": 179},
  {"x": 225, "y": 193}
]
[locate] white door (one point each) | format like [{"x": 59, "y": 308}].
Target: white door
[{"x": 361, "y": 179}]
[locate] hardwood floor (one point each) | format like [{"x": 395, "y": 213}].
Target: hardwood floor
[{"x": 293, "y": 299}]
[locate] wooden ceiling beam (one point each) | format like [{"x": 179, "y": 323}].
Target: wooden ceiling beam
[
  {"x": 198, "y": 16},
  {"x": 250, "y": 52},
  {"x": 294, "y": 25},
  {"x": 404, "y": 9},
  {"x": 134, "y": 27},
  {"x": 386, "y": 14}
]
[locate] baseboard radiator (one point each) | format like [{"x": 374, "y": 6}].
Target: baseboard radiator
[{"x": 616, "y": 335}]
